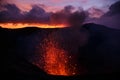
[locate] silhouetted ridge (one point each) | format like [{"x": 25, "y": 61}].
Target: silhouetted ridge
[{"x": 100, "y": 55}]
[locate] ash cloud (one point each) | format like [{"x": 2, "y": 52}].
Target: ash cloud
[
  {"x": 68, "y": 16},
  {"x": 62, "y": 16}
]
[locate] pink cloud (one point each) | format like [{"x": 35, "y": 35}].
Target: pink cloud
[
  {"x": 95, "y": 13},
  {"x": 84, "y": 1}
]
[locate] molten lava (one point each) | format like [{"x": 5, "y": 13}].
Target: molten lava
[
  {"x": 56, "y": 60},
  {"x": 22, "y": 25}
]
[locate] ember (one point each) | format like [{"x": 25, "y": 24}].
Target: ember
[{"x": 56, "y": 60}]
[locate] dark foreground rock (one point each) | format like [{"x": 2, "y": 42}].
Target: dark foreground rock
[{"x": 100, "y": 56}]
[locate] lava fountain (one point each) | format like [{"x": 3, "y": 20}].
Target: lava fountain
[{"x": 56, "y": 60}]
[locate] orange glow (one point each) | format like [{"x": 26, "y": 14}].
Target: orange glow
[
  {"x": 56, "y": 60},
  {"x": 21, "y": 25}
]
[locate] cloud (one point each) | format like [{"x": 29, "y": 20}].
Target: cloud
[
  {"x": 95, "y": 13},
  {"x": 14, "y": 15},
  {"x": 37, "y": 14},
  {"x": 110, "y": 18},
  {"x": 68, "y": 15},
  {"x": 10, "y": 14},
  {"x": 2, "y": 2},
  {"x": 61, "y": 17},
  {"x": 114, "y": 9}
]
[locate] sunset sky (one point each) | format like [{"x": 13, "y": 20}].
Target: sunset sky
[{"x": 45, "y": 12}]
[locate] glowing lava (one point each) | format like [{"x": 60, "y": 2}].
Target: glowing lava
[
  {"x": 22, "y": 25},
  {"x": 56, "y": 60}
]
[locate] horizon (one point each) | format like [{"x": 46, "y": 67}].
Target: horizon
[{"x": 37, "y": 15}]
